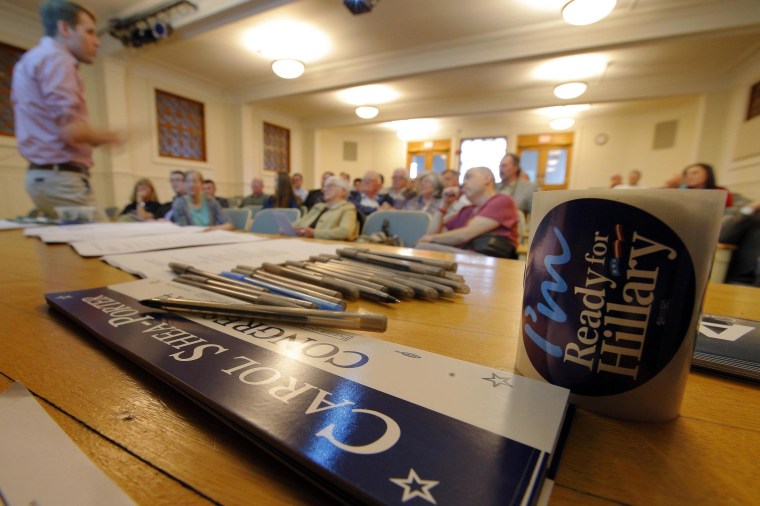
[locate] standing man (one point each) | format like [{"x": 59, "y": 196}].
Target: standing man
[
  {"x": 53, "y": 131},
  {"x": 521, "y": 190}
]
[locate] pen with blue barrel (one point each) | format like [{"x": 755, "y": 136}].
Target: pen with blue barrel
[
  {"x": 189, "y": 270},
  {"x": 241, "y": 294},
  {"x": 336, "y": 305},
  {"x": 288, "y": 282}
]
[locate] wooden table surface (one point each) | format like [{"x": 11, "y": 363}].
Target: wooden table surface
[{"x": 162, "y": 449}]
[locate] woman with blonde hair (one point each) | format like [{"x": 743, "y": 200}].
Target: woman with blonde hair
[
  {"x": 144, "y": 204},
  {"x": 195, "y": 208}
]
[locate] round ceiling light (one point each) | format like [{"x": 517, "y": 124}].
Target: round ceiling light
[
  {"x": 288, "y": 69},
  {"x": 570, "y": 90},
  {"x": 562, "y": 123},
  {"x": 367, "y": 111},
  {"x": 586, "y": 12}
]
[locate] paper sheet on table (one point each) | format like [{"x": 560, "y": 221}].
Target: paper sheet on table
[
  {"x": 12, "y": 225},
  {"x": 286, "y": 228},
  {"x": 219, "y": 258},
  {"x": 135, "y": 244},
  {"x": 40, "y": 464},
  {"x": 96, "y": 231}
]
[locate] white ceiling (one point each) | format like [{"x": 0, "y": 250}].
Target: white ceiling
[{"x": 455, "y": 58}]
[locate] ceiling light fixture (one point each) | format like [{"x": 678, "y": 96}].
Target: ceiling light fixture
[
  {"x": 367, "y": 111},
  {"x": 570, "y": 90},
  {"x": 586, "y": 12},
  {"x": 288, "y": 69},
  {"x": 562, "y": 123}
]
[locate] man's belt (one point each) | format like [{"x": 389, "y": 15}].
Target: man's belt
[{"x": 65, "y": 167}]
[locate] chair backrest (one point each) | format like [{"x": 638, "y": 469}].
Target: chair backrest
[
  {"x": 265, "y": 223},
  {"x": 408, "y": 226},
  {"x": 254, "y": 209},
  {"x": 238, "y": 217}
]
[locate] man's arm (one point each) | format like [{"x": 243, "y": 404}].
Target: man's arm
[
  {"x": 477, "y": 226},
  {"x": 79, "y": 132}
]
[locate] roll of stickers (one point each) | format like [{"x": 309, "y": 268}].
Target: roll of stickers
[{"x": 614, "y": 283}]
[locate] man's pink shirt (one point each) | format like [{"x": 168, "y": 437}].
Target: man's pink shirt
[{"x": 48, "y": 93}]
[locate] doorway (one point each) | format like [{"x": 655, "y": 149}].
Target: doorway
[
  {"x": 427, "y": 156},
  {"x": 545, "y": 159}
]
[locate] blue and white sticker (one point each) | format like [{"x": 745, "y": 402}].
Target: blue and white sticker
[{"x": 609, "y": 296}]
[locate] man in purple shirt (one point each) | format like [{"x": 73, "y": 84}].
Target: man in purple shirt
[
  {"x": 53, "y": 132},
  {"x": 492, "y": 220}
]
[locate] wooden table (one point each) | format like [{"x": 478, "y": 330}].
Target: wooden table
[{"x": 162, "y": 449}]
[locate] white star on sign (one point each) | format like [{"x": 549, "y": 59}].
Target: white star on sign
[
  {"x": 414, "y": 486},
  {"x": 498, "y": 380}
]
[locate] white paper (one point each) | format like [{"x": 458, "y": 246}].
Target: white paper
[
  {"x": 93, "y": 231},
  {"x": 40, "y": 464},
  {"x": 157, "y": 241},
  {"x": 286, "y": 228},
  {"x": 216, "y": 259}
]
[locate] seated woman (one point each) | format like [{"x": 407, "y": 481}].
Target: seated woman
[
  {"x": 335, "y": 218},
  {"x": 428, "y": 199},
  {"x": 284, "y": 196},
  {"x": 195, "y": 208},
  {"x": 743, "y": 230},
  {"x": 701, "y": 176},
  {"x": 144, "y": 205}
]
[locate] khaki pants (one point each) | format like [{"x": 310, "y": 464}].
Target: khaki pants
[{"x": 51, "y": 188}]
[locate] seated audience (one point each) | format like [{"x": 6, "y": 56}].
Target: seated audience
[
  {"x": 743, "y": 230},
  {"x": 369, "y": 199},
  {"x": 488, "y": 226},
  {"x": 399, "y": 191},
  {"x": 297, "y": 181},
  {"x": 283, "y": 194},
  {"x": 144, "y": 204},
  {"x": 512, "y": 184},
  {"x": 615, "y": 180},
  {"x": 428, "y": 199},
  {"x": 335, "y": 218},
  {"x": 452, "y": 198},
  {"x": 195, "y": 208},
  {"x": 701, "y": 176},
  {"x": 209, "y": 186},
  {"x": 357, "y": 184},
  {"x": 633, "y": 181},
  {"x": 257, "y": 196},
  {"x": 177, "y": 180},
  {"x": 315, "y": 196}
]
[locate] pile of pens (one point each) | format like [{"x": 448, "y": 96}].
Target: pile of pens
[{"x": 314, "y": 292}]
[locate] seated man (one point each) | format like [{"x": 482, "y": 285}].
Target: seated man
[
  {"x": 315, "y": 196},
  {"x": 743, "y": 230},
  {"x": 369, "y": 199},
  {"x": 257, "y": 197},
  {"x": 335, "y": 218},
  {"x": 488, "y": 226},
  {"x": 209, "y": 186}
]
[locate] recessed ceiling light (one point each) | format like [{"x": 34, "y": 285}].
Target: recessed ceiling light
[
  {"x": 586, "y": 12},
  {"x": 367, "y": 111},
  {"x": 570, "y": 90},
  {"x": 288, "y": 69},
  {"x": 562, "y": 123}
]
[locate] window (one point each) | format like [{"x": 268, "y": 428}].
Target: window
[
  {"x": 181, "y": 127},
  {"x": 427, "y": 156},
  {"x": 482, "y": 153},
  {"x": 545, "y": 159},
  {"x": 276, "y": 148},
  {"x": 9, "y": 55}
]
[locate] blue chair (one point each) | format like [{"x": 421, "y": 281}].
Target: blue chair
[
  {"x": 238, "y": 217},
  {"x": 265, "y": 223},
  {"x": 408, "y": 226}
]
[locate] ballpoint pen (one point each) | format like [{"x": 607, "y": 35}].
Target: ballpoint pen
[
  {"x": 244, "y": 269},
  {"x": 349, "y": 291},
  {"x": 241, "y": 294},
  {"x": 315, "y": 317},
  {"x": 366, "y": 289},
  {"x": 320, "y": 303}
]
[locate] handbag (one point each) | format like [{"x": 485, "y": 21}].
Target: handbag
[{"x": 493, "y": 245}]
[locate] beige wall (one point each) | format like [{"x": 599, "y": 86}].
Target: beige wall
[{"x": 120, "y": 94}]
